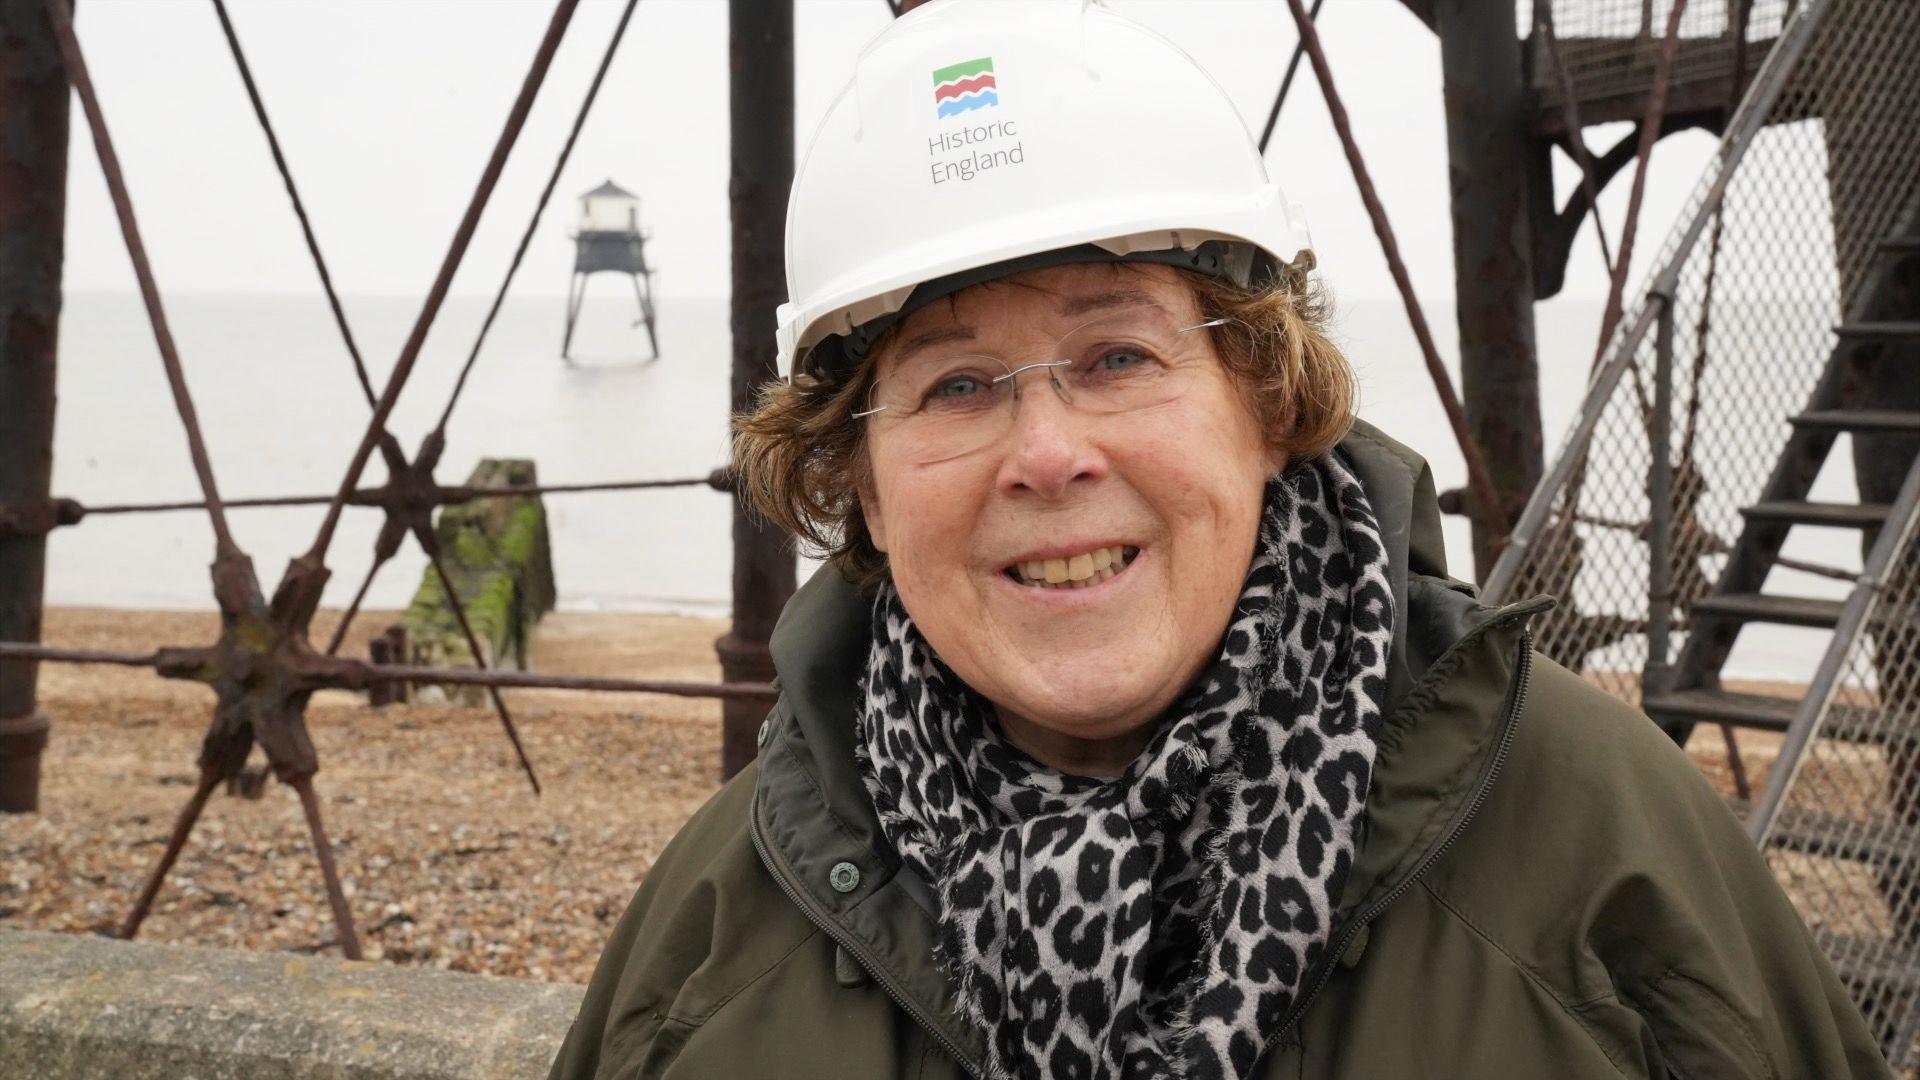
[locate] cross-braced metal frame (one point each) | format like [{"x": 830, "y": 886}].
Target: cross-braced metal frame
[{"x": 263, "y": 669}]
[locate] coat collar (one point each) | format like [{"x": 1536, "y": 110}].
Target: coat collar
[{"x": 1450, "y": 668}]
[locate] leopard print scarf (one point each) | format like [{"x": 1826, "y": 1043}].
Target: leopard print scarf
[{"x": 1162, "y": 923}]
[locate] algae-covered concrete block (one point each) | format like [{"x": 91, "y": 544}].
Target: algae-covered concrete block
[
  {"x": 496, "y": 551},
  {"x": 75, "y": 1006}
]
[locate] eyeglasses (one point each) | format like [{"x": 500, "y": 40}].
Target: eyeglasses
[{"x": 943, "y": 406}]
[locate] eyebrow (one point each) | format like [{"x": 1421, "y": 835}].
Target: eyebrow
[
  {"x": 1080, "y": 305},
  {"x": 939, "y": 335},
  {"x": 1067, "y": 308}
]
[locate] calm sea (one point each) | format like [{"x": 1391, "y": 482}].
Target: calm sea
[{"x": 282, "y": 414}]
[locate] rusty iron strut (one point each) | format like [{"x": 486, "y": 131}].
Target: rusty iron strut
[
  {"x": 418, "y": 478},
  {"x": 337, "y": 673},
  {"x": 262, "y": 669},
  {"x": 44, "y": 515},
  {"x": 1479, "y": 479},
  {"x": 443, "y": 280},
  {"x": 1649, "y": 134},
  {"x": 62, "y": 19},
  {"x": 1286, "y": 81},
  {"x": 412, "y": 484}
]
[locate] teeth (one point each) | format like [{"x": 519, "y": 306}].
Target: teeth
[{"x": 1078, "y": 572}]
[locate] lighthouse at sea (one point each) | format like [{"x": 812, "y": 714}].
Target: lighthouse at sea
[{"x": 607, "y": 239}]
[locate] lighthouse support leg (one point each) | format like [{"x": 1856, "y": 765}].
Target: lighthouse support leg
[
  {"x": 576, "y": 292},
  {"x": 643, "y": 293}
]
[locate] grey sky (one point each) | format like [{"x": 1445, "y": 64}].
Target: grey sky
[{"x": 387, "y": 111}]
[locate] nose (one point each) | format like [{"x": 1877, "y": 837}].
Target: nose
[{"x": 1050, "y": 448}]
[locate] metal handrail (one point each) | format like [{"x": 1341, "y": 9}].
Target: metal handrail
[{"x": 1748, "y": 119}]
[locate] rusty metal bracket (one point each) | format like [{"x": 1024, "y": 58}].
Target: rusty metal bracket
[{"x": 37, "y": 517}]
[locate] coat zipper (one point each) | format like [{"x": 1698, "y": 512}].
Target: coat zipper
[
  {"x": 1522, "y": 675},
  {"x": 857, "y": 950}
]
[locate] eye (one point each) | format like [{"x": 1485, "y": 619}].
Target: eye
[
  {"x": 960, "y": 390},
  {"x": 1122, "y": 359},
  {"x": 957, "y": 386}
]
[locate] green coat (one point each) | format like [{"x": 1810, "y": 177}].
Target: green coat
[{"x": 1546, "y": 887}]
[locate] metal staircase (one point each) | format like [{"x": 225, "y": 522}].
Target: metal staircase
[
  {"x": 1887, "y": 321},
  {"x": 1662, "y": 525},
  {"x": 1842, "y": 805}
]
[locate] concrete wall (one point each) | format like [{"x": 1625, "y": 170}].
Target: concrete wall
[{"x": 74, "y": 1006}]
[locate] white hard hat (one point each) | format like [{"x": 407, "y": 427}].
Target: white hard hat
[{"x": 978, "y": 136}]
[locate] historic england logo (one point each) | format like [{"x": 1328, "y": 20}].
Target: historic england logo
[{"x": 964, "y": 87}]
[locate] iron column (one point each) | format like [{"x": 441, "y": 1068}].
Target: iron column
[
  {"x": 33, "y": 190},
  {"x": 1491, "y": 164},
  {"x": 760, "y": 77}
]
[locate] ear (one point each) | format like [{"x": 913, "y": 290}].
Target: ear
[{"x": 870, "y": 513}]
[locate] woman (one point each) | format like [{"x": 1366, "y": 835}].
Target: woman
[{"x": 1134, "y": 728}]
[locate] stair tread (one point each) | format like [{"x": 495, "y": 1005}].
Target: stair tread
[
  {"x": 1745, "y": 710},
  {"x": 1850, "y": 515},
  {"x": 1831, "y": 836},
  {"x": 1880, "y": 328},
  {"x": 1876, "y": 962},
  {"x": 1860, "y": 420},
  {"x": 1848, "y": 723},
  {"x": 1766, "y": 607}
]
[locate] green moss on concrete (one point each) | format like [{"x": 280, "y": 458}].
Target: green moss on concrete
[{"x": 497, "y": 553}]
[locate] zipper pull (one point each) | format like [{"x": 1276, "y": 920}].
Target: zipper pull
[
  {"x": 847, "y": 971},
  {"x": 1356, "y": 948}
]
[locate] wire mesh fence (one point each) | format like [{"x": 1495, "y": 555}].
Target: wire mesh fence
[
  {"x": 1817, "y": 166},
  {"x": 1609, "y": 47},
  {"x": 1843, "y": 837},
  {"x": 1740, "y": 326}
]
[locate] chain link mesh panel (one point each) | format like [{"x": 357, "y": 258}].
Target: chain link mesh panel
[
  {"x": 1759, "y": 279},
  {"x": 1819, "y": 166},
  {"x": 1843, "y": 841},
  {"x": 1611, "y": 47}
]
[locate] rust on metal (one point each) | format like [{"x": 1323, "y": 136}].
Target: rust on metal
[
  {"x": 1648, "y": 134},
  {"x": 1286, "y": 81},
  {"x": 1479, "y": 478},
  {"x": 1495, "y": 174},
  {"x": 319, "y": 671},
  {"x": 76, "y": 68},
  {"x": 24, "y": 518},
  {"x": 540, "y": 206},
  {"x": 563, "y": 11},
  {"x": 262, "y": 669},
  {"x": 760, "y": 95},
  {"x": 31, "y": 517}
]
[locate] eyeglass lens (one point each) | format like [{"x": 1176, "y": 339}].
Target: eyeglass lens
[{"x": 945, "y": 404}]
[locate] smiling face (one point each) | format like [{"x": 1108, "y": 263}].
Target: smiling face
[{"x": 1155, "y": 508}]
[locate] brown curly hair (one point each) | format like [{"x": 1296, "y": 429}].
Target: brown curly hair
[{"x": 801, "y": 457}]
